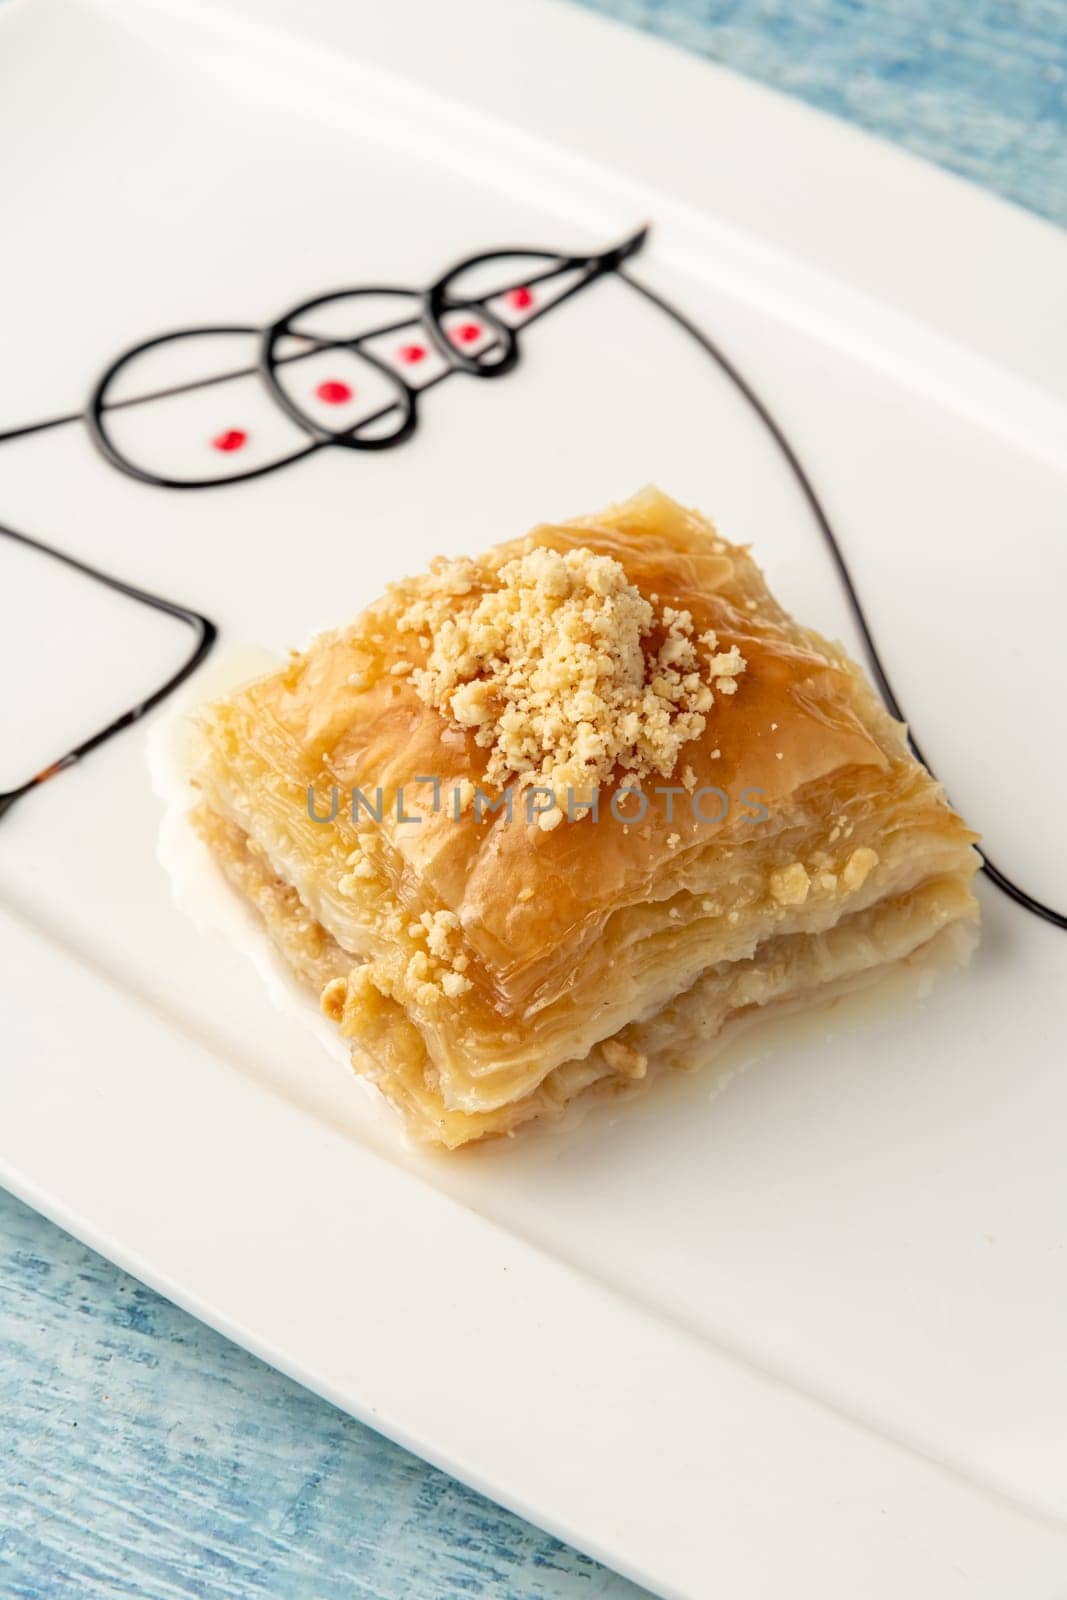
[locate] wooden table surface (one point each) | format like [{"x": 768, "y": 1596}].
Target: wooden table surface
[{"x": 141, "y": 1454}]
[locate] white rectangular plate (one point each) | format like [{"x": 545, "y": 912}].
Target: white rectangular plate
[{"x": 812, "y": 1327}]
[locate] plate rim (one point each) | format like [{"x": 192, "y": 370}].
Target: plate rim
[
  {"x": 799, "y": 180},
  {"x": 641, "y": 1395}
]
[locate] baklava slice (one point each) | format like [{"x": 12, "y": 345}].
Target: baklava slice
[{"x": 548, "y": 819}]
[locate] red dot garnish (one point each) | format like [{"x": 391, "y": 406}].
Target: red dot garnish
[
  {"x": 334, "y": 392},
  {"x": 231, "y": 439},
  {"x": 412, "y": 353},
  {"x": 467, "y": 332},
  {"x": 520, "y": 299}
]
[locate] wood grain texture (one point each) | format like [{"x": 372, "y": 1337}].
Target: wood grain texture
[
  {"x": 141, "y": 1455},
  {"x": 979, "y": 86}
]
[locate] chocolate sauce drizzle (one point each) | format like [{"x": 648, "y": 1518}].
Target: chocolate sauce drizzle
[
  {"x": 496, "y": 357},
  {"x": 203, "y": 628}
]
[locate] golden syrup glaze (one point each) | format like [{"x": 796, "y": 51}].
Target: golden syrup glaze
[{"x": 800, "y": 717}]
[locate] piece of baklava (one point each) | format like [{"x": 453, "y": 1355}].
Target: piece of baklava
[{"x": 551, "y": 818}]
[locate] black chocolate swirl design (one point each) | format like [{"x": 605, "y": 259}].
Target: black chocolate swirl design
[
  {"x": 205, "y": 634},
  {"x": 393, "y": 419}
]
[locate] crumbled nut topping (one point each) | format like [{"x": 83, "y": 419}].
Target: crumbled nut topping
[
  {"x": 563, "y": 670},
  {"x": 428, "y": 965},
  {"x": 441, "y": 966},
  {"x": 361, "y": 864},
  {"x": 860, "y": 864},
  {"x": 333, "y": 998},
  {"x": 790, "y": 885},
  {"x": 623, "y": 1059},
  {"x": 464, "y": 795}
]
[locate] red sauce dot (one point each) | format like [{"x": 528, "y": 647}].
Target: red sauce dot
[
  {"x": 231, "y": 439},
  {"x": 520, "y": 299},
  {"x": 467, "y": 332},
  {"x": 412, "y": 353},
  {"x": 334, "y": 392}
]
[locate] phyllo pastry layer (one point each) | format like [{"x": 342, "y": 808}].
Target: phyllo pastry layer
[{"x": 546, "y": 819}]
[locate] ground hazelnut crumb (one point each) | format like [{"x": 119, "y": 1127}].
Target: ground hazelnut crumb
[
  {"x": 790, "y": 885},
  {"x": 860, "y": 864},
  {"x": 561, "y": 669},
  {"x": 454, "y": 984},
  {"x": 362, "y": 869},
  {"x": 437, "y": 965},
  {"x": 332, "y": 999},
  {"x": 621, "y": 1058}
]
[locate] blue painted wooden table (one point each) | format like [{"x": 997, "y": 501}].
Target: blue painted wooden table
[{"x": 142, "y": 1455}]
